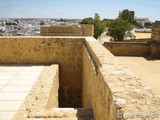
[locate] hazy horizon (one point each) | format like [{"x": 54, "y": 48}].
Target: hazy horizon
[{"x": 77, "y": 9}]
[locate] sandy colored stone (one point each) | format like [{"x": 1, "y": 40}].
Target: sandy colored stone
[
  {"x": 67, "y": 30},
  {"x": 90, "y": 77},
  {"x": 147, "y": 70}
]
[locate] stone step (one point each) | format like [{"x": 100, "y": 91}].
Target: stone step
[
  {"x": 60, "y": 119},
  {"x": 63, "y": 114},
  {"x": 74, "y": 112}
]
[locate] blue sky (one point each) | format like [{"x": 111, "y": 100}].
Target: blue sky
[{"x": 78, "y": 8}]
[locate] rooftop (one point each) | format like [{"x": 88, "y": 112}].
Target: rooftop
[
  {"x": 15, "y": 83},
  {"x": 77, "y": 78}
]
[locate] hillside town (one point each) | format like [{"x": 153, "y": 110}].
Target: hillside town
[{"x": 29, "y": 26}]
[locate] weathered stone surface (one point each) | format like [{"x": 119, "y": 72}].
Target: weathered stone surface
[
  {"x": 156, "y": 32},
  {"x": 87, "y": 68},
  {"x": 128, "y": 48},
  {"x": 67, "y": 30},
  {"x": 145, "y": 49},
  {"x": 99, "y": 86},
  {"x": 150, "y": 47},
  {"x": 119, "y": 102},
  {"x": 67, "y": 52},
  {"x": 41, "y": 98}
]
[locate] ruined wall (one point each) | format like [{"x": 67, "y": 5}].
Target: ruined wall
[
  {"x": 67, "y": 30},
  {"x": 67, "y": 52},
  {"x": 128, "y": 48},
  {"x": 111, "y": 89}
]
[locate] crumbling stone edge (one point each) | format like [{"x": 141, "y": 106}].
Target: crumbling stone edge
[{"x": 41, "y": 94}]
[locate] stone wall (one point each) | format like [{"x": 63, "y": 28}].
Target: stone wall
[
  {"x": 67, "y": 30},
  {"x": 87, "y": 30},
  {"x": 88, "y": 72},
  {"x": 155, "y": 47},
  {"x": 111, "y": 89},
  {"x": 43, "y": 94},
  {"x": 128, "y": 48},
  {"x": 67, "y": 52},
  {"x": 150, "y": 48},
  {"x": 156, "y": 32},
  {"x": 146, "y": 49},
  {"x": 96, "y": 94},
  {"x": 155, "y": 50}
]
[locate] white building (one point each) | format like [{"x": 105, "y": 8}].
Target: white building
[{"x": 142, "y": 20}]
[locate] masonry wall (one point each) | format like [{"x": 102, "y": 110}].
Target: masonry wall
[
  {"x": 128, "y": 48},
  {"x": 87, "y": 30},
  {"x": 50, "y": 87},
  {"x": 111, "y": 89},
  {"x": 61, "y": 30},
  {"x": 155, "y": 50},
  {"x": 96, "y": 93},
  {"x": 49, "y": 50},
  {"x": 43, "y": 94},
  {"x": 149, "y": 48},
  {"x": 67, "y": 30},
  {"x": 155, "y": 47},
  {"x": 156, "y": 32}
]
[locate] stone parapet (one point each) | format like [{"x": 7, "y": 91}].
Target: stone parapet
[
  {"x": 89, "y": 77},
  {"x": 67, "y": 30},
  {"x": 156, "y": 32},
  {"x": 112, "y": 90}
]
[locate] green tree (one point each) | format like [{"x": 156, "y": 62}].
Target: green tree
[
  {"x": 117, "y": 29},
  {"x": 88, "y": 21},
  {"x": 127, "y": 15},
  {"x": 106, "y": 22},
  {"x": 148, "y": 25},
  {"x": 98, "y": 24},
  {"x": 138, "y": 25}
]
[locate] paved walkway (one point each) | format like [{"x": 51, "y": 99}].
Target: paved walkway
[{"x": 15, "y": 83}]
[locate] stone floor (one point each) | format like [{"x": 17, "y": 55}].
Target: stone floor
[{"x": 15, "y": 83}]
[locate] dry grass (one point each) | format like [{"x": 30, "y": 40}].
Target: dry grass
[
  {"x": 138, "y": 36},
  {"x": 142, "y": 35}
]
